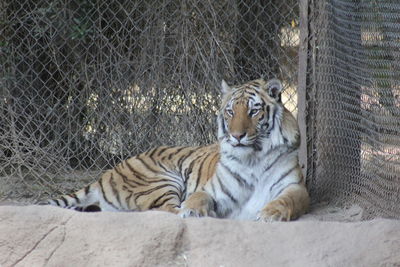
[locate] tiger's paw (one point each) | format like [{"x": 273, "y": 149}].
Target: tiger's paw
[
  {"x": 198, "y": 204},
  {"x": 274, "y": 212},
  {"x": 185, "y": 213}
]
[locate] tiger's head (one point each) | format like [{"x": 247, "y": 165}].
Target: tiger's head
[{"x": 251, "y": 115}]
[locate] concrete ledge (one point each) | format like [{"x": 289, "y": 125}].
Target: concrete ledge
[{"x": 42, "y": 235}]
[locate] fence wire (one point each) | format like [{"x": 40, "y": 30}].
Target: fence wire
[
  {"x": 353, "y": 104},
  {"x": 85, "y": 84}
]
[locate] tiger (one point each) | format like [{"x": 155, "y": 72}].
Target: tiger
[{"x": 252, "y": 172}]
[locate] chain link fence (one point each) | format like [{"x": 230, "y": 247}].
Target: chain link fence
[
  {"x": 353, "y": 104},
  {"x": 85, "y": 84}
]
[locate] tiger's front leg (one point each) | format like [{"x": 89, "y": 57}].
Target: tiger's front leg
[
  {"x": 289, "y": 205},
  {"x": 198, "y": 204}
]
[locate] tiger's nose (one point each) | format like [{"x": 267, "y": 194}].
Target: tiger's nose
[{"x": 238, "y": 136}]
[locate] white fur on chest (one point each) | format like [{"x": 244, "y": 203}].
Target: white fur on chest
[
  {"x": 250, "y": 209},
  {"x": 257, "y": 198},
  {"x": 264, "y": 182}
]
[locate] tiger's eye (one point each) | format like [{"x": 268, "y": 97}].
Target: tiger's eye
[
  {"x": 253, "y": 112},
  {"x": 229, "y": 112}
]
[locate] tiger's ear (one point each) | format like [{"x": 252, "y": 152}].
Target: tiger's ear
[
  {"x": 225, "y": 88},
  {"x": 274, "y": 88}
]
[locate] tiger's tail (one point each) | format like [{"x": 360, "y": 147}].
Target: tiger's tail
[{"x": 86, "y": 199}]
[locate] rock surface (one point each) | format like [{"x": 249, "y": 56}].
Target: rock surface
[{"x": 50, "y": 236}]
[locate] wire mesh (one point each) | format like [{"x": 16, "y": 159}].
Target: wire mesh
[
  {"x": 85, "y": 84},
  {"x": 353, "y": 97}
]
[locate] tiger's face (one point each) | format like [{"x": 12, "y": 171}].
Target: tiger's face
[{"x": 247, "y": 113}]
